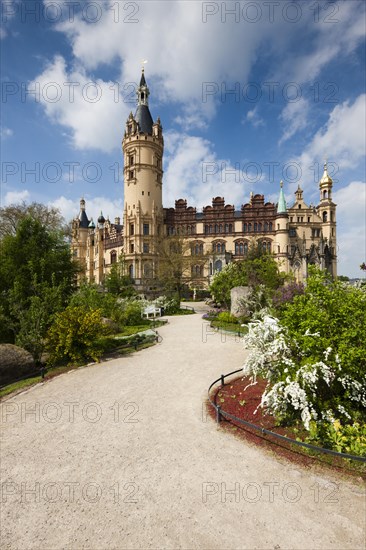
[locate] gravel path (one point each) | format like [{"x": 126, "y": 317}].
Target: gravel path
[{"x": 122, "y": 456}]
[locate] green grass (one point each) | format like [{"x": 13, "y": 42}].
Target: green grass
[{"x": 230, "y": 327}]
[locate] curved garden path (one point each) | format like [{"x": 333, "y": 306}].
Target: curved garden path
[{"x": 102, "y": 481}]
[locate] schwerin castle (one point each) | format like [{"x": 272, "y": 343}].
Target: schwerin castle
[{"x": 296, "y": 236}]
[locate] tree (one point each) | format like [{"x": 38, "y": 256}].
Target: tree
[
  {"x": 175, "y": 262},
  {"x": 12, "y": 215},
  {"x": 259, "y": 268},
  {"x": 36, "y": 266},
  {"x": 117, "y": 282}
]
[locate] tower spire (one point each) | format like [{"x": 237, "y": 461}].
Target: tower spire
[{"x": 281, "y": 207}]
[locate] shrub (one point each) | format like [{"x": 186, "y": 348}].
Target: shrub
[
  {"x": 315, "y": 359},
  {"x": 226, "y": 317},
  {"x": 75, "y": 335}
]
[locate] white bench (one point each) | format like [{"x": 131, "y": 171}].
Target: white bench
[{"x": 151, "y": 311}]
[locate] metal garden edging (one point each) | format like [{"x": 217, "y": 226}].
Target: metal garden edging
[{"x": 220, "y": 413}]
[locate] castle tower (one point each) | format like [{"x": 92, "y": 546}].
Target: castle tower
[
  {"x": 79, "y": 237},
  {"x": 327, "y": 213},
  {"x": 142, "y": 148},
  {"x": 282, "y": 232}
]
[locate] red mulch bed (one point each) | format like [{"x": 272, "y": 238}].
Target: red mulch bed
[{"x": 234, "y": 399}]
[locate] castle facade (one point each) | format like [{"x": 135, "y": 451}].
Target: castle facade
[{"x": 298, "y": 235}]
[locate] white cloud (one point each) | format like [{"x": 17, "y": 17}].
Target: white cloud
[
  {"x": 294, "y": 117},
  {"x": 341, "y": 141},
  {"x": 14, "y": 197},
  {"x": 93, "y": 110},
  {"x": 6, "y": 132},
  {"x": 254, "y": 118},
  {"x": 351, "y": 227},
  {"x": 194, "y": 172},
  {"x": 70, "y": 209},
  {"x": 338, "y": 29}
]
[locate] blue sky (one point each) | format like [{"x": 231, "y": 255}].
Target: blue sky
[{"x": 248, "y": 93}]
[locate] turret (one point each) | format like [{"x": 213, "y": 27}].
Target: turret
[
  {"x": 327, "y": 212},
  {"x": 282, "y": 232}
]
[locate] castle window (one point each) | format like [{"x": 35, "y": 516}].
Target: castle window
[
  {"x": 245, "y": 227},
  {"x": 259, "y": 227},
  {"x": 146, "y": 248},
  {"x": 324, "y": 194},
  {"x": 143, "y": 193},
  {"x": 146, "y": 229},
  {"x": 299, "y": 206},
  {"x": 210, "y": 269},
  {"x": 291, "y": 219},
  {"x": 308, "y": 219},
  {"x": 132, "y": 229},
  {"x": 249, "y": 227},
  {"x": 210, "y": 228},
  {"x": 131, "y": 174},
  {"x": 132, "y": 248},
  {"x": 188, "y": 230},
  {"x": 226, "y": 228},
  {"x": 206, "y": 229},
  {"x": 216, "y": 228},
  {"x": 292, "y": 232},
  {"x": 148, "y": 193},
  {"x": 218, "y": 248},
  {"x": 255, "y": 227},
  {"x": 220, "y": 228},
  {"x": 218, "y": 265},
  {"x": 131, "y": 160},
  {"x": 130, "y": 270},
  {"x": 270, "y": 226},
  {"x": 230, "y": 227},
  {"x": 245, "y": 248},
  {"x": 113, "y": 257},
  {"x": 325, "y": 216},
  {"x": 266, "y": 227}
]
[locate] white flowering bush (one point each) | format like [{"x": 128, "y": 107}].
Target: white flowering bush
[{"x": 314, "y": 360}]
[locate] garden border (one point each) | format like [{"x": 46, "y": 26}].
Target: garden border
[{"x": 220, "y": 413}]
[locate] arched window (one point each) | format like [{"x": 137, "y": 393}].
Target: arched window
[
  {"x": 245, "y": 227},
  {"x": 245, "y": 248},
  {"x": 201, "y": 248},
  {"x": 210, "y": 228},
  {"x": 226, "y": 228},
  {"x": 113, "y": 257},
  {"x": 218, "y": 265},
  {"x": 197, "y": 249},
  {"x": 130, "y": 270},
  {"x": 206, "y": 229},
  {"x": 265, "y": 227},
  {"x": 230, "y": 227},
  {"x": 236, "y": 249},
  {"x": 223, "y": 248},
  {"x": 220, "y": 228},
  {"x": 324, "y": 194},
  {"x": 249, "y": 227},
  {"x": 255, "y": 227},
  {"x": 216, "y": 228},
  {"x": 259, "y": 227},
  {"x": 325, "y": 216},
  {"x": 241, "y": 249},
  {"x": 218, "y": 248},
  {"x": 270, "y": 226}
]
